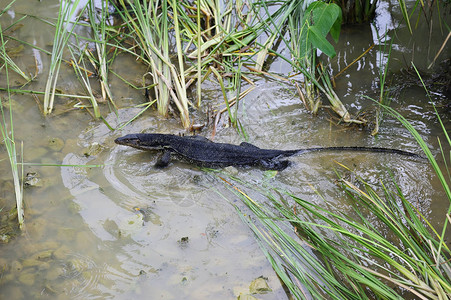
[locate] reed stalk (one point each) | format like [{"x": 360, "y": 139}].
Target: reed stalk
[
  {"x": 83, "y": 77},
  {"x": 13, "y": 66},
  {"x": 23, "y": 91},
  {"x": 344, "y": 257},
  {"x": 443, "y": 175},
  {"x": 7, "y": 130},
  {"x": 383, "y": 93},
  {"x": 149, "y": 23},
  {"x": 4, "y": 54},
  {"x": 387, "y": 249},
  {"x": 199, "y": 57},
  {"x": 308, "y": 27},
  {"x": 63, "y": 31},
  {"x": 99, "y": 23}
]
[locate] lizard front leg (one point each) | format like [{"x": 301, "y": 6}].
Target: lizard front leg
[{"x": 164, "y": 159}]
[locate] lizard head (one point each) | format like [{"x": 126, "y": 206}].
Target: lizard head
[
  {"x": 141, "y": 141},
  {"x": 128, "y": 140}
]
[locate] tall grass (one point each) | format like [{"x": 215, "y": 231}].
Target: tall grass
[
  {"x": 183, "y": 41},
  {"x": 358, "y": 11},
  {"x": 383, "y": 94},
  {"x": 386, "y": 248},
  {"x": 336, "y": 256},
  {"x": 443, "y": 175},
  {"x": 83, "y": 77},
  {"x": 207, "y": 36},
  {"x": 8, "y": 62},
  {"x": 64, "y": 27},
  {"x": 149, "y": 23},
  {"x": 7, "y": 130},
  {"x": 308, "y": 27},
  {"x": 13, "y": 66},
  {"x": 99, "y": 23},
  {"x": 223, "y": 36}
]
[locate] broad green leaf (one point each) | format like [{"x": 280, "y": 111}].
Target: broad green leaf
[
  {"x": 324, "y": 16},
  {"x": 336, "y": 28},
  {"x": 320, "y": 19},
  {"x": 320, "y": 42}
]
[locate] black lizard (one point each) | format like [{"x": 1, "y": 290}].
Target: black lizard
[{"x": 203, "y": 152}]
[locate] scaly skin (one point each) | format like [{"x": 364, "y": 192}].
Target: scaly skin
[{"x": 203, "y": 152}]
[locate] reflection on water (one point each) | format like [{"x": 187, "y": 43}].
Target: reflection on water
[{"x": 127, "y": 230}]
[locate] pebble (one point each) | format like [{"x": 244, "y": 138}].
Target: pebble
[
  {"x": 93, "y": 149},
  {"x": 74, "y": 208},
  {"x": 44, "y": 266},
  {"x": 16, "y": 267},
  {"x": 55, "y": 273},
  {"x": 55, "y": 144},
  {"x": 27, "y": 278},
  {"x": 29, "y": 262},
  {"x": 61, "y": 252},
  {"x": 43, "y": 255},
  {"x": 259, "y": 286}
]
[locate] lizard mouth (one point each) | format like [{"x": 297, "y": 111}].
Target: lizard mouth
[{"x": 128, "y": 140}]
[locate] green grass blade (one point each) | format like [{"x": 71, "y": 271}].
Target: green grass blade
[
  {"x": 9, "y": 141},
  {"x": 63, "y": 31}
]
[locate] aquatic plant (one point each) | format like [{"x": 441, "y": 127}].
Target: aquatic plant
[
  {"x": 63, "y": 30},
  {"x": 207, "y": 38},
  {"x": 383, "y": 92},
  {"x": 83, "y": 77},
  {"x": 308, "y": 28},
  {"x": 4, "y": 54},
  {"x": 386, "y": 249},
  {"x": 99, "y": 22},
  {"x": 7, "y": 130},
  {"x": 343, "y": 257},
  {"x": 357, "y": 12},
  {"x": 13, "y": 66},
  {"x": 150, "y": 27}
]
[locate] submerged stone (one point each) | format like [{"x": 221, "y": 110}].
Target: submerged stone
[
  {"x": 259, "y": 286},
  {"x": 32, "y": 179},
  {"x": 16, "y": 266},
  {"x": 55, "y": 144},
  {"x": 93, "y": 149},
  {"x": 61, "y": 252},
  {"x": 55, "y": 273},
  {"x": 44, "y": 255},
  {"x": 30, "y": 262},
  {"x": 27, "y": 278}
]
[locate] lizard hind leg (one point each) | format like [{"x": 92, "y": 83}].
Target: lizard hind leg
[
  {"x": 277, "y": 165},
  {"x": 163, "y": 161}
]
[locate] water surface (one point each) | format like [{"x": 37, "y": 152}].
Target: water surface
[{"x": 128, "y": 230}]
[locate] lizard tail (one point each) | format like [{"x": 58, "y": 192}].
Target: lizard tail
[{"x": 366, "y": 149}]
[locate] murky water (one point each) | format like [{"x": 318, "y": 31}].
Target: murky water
[{"x": 127, "y": 230}]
